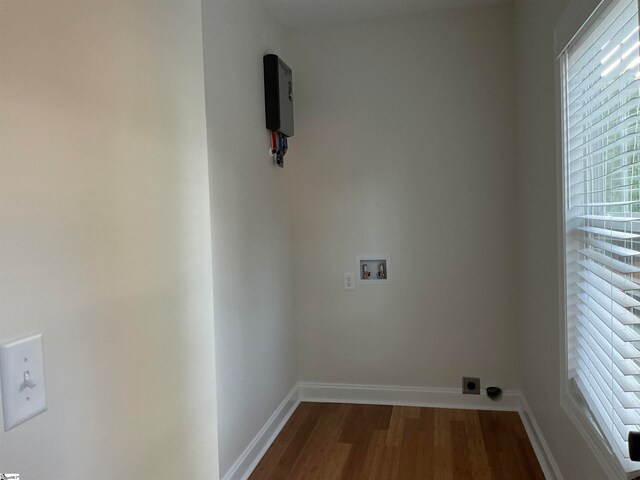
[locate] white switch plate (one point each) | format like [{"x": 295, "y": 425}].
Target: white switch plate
[
  {"x": 349, "y": 280},
  {"x": 23, "y": 386}
]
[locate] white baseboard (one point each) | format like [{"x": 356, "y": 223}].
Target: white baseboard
[
  {"x": 244, "y": 465},
  {"x": 512, "y": 400},
  {"x": 545, "y": 457},
  {"x": 405, "y": 396}
]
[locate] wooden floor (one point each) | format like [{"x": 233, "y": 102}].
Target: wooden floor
[{"x": 338, "y": 441}]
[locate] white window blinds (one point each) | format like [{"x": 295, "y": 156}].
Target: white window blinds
[{"x": 602, "y": 194}]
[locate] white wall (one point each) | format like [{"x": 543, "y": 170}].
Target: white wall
[
  {"x": 537, "y": 238},
  {"x": 251, "y": 218},
  {"x": 105, "y": 238},
  {"x": 404, "y": 145}
]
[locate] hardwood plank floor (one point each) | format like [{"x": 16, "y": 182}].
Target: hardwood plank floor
[{"x": 329, "y": 441}]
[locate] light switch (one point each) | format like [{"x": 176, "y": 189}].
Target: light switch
[
  {"x": 23, "y": 386},
  {"x": 349, "y": 280}
]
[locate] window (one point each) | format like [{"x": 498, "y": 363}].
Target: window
[{"x": 601, "y": 185}]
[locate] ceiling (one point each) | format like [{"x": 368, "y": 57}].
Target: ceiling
[{"x": 305, "y": 13}]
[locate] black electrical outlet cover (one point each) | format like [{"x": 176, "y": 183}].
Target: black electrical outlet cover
[
  {"x": 634, "y": 446},
  {"x": 278, "y": 95},
  {"x": 471, "y": 385}
]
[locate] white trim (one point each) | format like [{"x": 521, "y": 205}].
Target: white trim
[
  {"x": 577, "y": 15},
  {"x": 248, "y": 460},
  {"x": 405, "y": 396},
  {"x": 540, "y": 446},
  {"x": 608, "y": 461}
]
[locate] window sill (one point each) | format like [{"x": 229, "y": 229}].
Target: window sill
[{"x": 615, "y": 468}]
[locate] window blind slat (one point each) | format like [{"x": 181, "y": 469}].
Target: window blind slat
[
  {"x": 625, "y": 159},
  {"x": 611, "y": 248},
  {"x": 629, "y": 108},
  {"x": 628, "y": 351},
  {"x": 611, "y": 175},
  {"x": 617, "y": 265},
  {"x": 624, "y": 144},
  {"x": 616, "y": 280},
  {"x": 608, "y": 218},
  {"x": 589, "y": 53},
  {"x": 597, "y": 138},
  {"x": 584, "y": 134},
  {"x": 601, "y": 351},
  {"x": 603, "y": 320},
  {"x": 605, "y": 232},
  {"x": 609, "y": 291},
  {"x": 628, "y": 416},
  {"x": 585, "y": 53},
  {"x": 602, "y": 415},
  {"x": 599, "y": 104}
]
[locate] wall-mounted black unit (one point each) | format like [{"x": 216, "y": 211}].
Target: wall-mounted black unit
[{"x": 278, "y": 89}]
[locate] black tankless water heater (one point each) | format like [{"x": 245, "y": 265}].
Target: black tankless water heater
[{"x": 278, "y": 90}]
